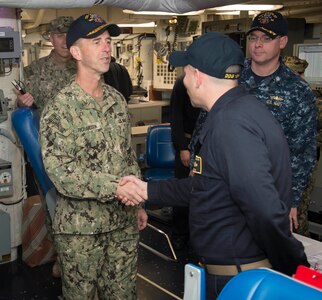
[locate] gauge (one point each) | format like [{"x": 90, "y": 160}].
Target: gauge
[{"x": 5, "y": 177}]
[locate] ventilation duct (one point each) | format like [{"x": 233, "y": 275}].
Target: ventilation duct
[{"x": 175, "y": 6}]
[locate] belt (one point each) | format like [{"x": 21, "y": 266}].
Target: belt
[
  {"x": 231, "y": 270},
  {"x": 188, "y": 135}
]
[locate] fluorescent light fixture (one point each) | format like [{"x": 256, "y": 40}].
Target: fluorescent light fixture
[
  {"x": 149, "y": 24},
  {"x": 236, "y": 13},
  {"x": 162, "y": 13},
  {"x": 255, "y": 7}
]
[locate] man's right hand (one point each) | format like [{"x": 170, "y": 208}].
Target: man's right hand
[
  {"x": 24, "y": 100},
  {"x": 131, "y": 190}
]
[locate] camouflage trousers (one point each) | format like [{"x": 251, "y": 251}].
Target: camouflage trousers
[
  {"x": 302, "y": 213},
  {"x": 106, "y": 263}
]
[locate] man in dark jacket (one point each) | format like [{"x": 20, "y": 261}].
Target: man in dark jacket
[
  {"x": 288, "y": 97},
  {"x": 240, "y": 195},
  {"x": 119, "y": 78},
  {"x": 183, "y": 120}
]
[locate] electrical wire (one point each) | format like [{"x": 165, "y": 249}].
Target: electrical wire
[{"x": 12, "y": 203}]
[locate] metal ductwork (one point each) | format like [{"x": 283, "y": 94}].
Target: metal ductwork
[
  {"x": 38, "y": 20},
  {"x": 302, "y": 11},
  {"x": 175, "y": 6}
]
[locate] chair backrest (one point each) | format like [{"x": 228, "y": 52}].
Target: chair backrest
[
  {"x": 160, "y": 152},
  {"x": 267, "y": 284},
  {"x": 26, "y": 124}
]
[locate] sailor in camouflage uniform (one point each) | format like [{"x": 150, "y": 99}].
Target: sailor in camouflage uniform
[
  {"x": 298, "y": 66},
  {"x": 85, "y": 136},
  {"x": 287, "y": 96},
  {"x": 43, "y": 80},
  {"x": 47, "y": 75}
]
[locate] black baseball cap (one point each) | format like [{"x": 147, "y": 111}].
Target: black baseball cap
[
  {"x": 89, "y": 26},
  {"x": 212, "y": 53},
  {"x": 272, "y": 23}
]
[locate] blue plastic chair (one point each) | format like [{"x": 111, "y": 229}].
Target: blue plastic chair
[
  {"x": 160, "y": 160},
  {"x": 256, "y": 284},
  {"x": 26, "y": 124},
  {"x": 160, "y": 153},
  {"x": 267, "y": 284}
]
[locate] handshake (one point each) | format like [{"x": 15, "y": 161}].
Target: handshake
[{"x": 131, "y": 190}]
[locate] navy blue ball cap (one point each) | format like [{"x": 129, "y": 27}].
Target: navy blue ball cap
[
  {"x": 89, "y": 26},
  {"x": 212, "y": 53},
  {"x": 272, "y": 23}
]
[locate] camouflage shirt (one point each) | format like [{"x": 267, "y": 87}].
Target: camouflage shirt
[
  {"x": 86, "y": 148},
  {"x": 44, "y": 79},
  {"x": 293, "y": 104}
]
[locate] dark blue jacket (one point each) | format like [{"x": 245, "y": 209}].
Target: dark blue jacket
[
  {"x": 240, "y": 194},
  {"x": 292, "y": 102}
]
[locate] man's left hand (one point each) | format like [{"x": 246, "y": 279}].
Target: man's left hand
[{"x": 293, "y": 219}]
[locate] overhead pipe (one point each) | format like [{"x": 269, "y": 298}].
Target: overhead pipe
[
  {"x": 298, "y": 3},
  {"x": 175, "y": 6},
  {"x": 301, "y": 11}
]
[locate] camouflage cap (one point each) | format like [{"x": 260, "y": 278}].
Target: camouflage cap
[
  {"x": 60, "y": 24},
  {"x": 296, "y": 64}
]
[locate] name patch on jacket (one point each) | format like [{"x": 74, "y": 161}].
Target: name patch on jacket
[
  {"x": 89, "y": 127},
  {"x": 275, "y": 100},
  {"x": 197, "y": 166}
]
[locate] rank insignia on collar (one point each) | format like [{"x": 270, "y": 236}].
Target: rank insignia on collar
[{"x": 197, "y": 166}]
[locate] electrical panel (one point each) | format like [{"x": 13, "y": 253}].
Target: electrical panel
[
  {"x": 163, "y": 76},
  {"x": 6, "y": 182},
  {"x": 3, "y": 107},
  {"x": 9, "y": 43}
]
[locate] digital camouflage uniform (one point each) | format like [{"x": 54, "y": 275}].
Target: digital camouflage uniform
[
  {"x": 298, "y": 66},
  {"x": 86, "y": 148},
  {"x": 293, "y": 104},
  {"x": 44, "y": 78},
  {"x": 319, "y": 109}
]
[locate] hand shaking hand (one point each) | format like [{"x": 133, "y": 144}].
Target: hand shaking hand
[{"x": 131, "y": 190}]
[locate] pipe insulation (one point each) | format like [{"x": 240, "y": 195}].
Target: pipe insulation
[{"x": 174, "y": 6}]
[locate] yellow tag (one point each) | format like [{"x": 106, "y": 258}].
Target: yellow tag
[
  {"x": 232, "y": 76},
  {"x": 197, "y": 166}
]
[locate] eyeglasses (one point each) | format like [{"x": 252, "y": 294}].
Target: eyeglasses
[{"x": 264, "y": 38}]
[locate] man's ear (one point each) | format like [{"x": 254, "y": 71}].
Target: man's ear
[
  {"x": 197, "y": 74},
  {"x": 198, "y": 77},
  {"x": 283, "y": 41},
  {"x": 75, "y": 52}
]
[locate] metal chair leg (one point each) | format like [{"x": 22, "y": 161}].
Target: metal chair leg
[{"x": 158, "y": 253}]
